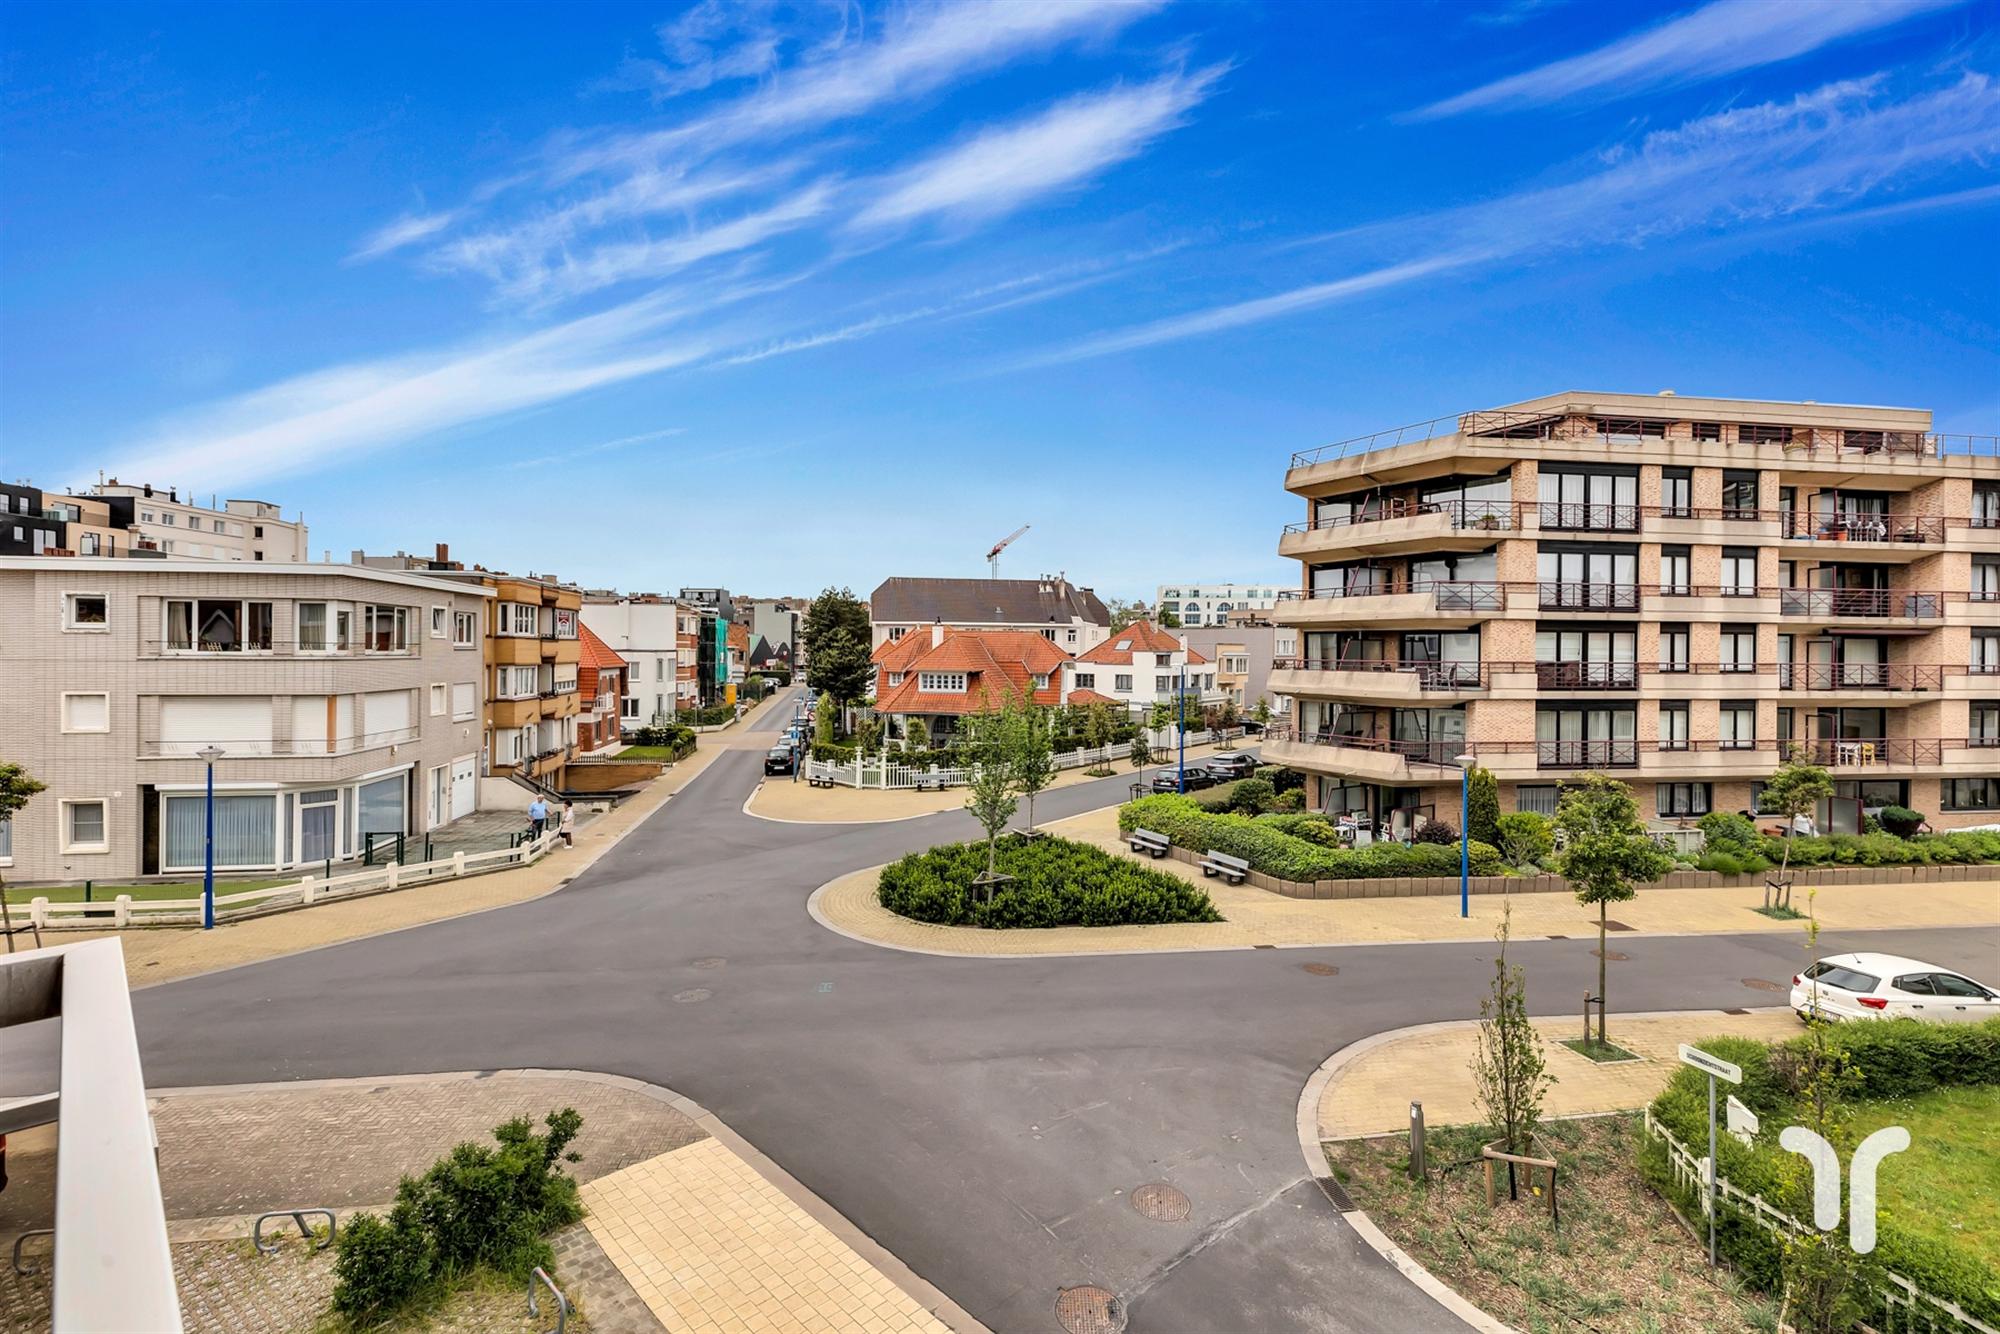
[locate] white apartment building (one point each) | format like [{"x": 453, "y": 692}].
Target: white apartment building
[
  {"x": 1138, "y": 667},
  {"x": 1210, "y": 604},
  {"x": 245, "y": 530},
  {"x": 658, "y": 638},
  {"x": 344, "y": 702}
]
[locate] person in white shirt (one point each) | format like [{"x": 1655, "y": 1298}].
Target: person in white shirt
[{"x": 567, "y": 828}]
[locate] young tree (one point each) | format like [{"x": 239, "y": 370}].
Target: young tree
[
  {"x": 1262, "y": 712},
  {"x": 1097, "y": 734},
  {"x": 1163, "y": 715},
  {"x": 1029, "y": 753},
  {"x": 1124, "y": 612},
  {"x": 1482, "y": 819},
  {"x": 1142, "y": 750},
  {"x": 17, "y": 785},
  {"x": 825, "y": 717},
  {"x": 1231, "y": 715},
  {"x": 990, "y": 779},
  {"x": 1795, "y": 789},
  {"x": 1508, "y": 1065},
  {"x": 1606, "y": 853}
]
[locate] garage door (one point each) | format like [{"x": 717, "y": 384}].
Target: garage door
[{"x": 464, "y": 787}]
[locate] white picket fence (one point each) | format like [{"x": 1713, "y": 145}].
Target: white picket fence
[
  {"x": 1909, "y": 1309},
  {"x": 876, "y": 772},
  {"x": 307, "y": 892}
]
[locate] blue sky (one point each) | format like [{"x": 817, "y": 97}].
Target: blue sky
[{"x": 774, "y": 295}]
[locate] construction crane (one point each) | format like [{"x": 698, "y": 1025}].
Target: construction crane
[{"x": 993, "y": 556}]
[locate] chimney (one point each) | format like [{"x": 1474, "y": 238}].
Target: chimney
[
  {"x": 443, "y": 553},
  {"x": 937, "y": 633}
]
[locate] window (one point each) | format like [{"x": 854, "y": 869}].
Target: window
[
  {"x": 245, "y": 831},
  {"x": 1049, "y": 633},
  {"x": 1086, "y": 680},
  {"x": 1736, "y": 725},
  {"x": 145, "y": 516},
  {"x": 1737, "y": 647},
  {"x": 896, "y": 678},
  {"x": 167, "y": 520},
  {"x": 464, "y": 628},
  {"x": 516, "y": 683},
  {"x": 216, "y": 625},
  {"x": 1673, "y": 724},
  {"x": 518, "y": 619},
  {"x": 1680, "y": 799},
  {"x": 565, "y": 623},
  {"x": 257, "y": 531},
  {"x": 1972, "y": 794},
  {"x": 1739, "y": 494},
  {"x": 941, "y": 683},
  {"x": 1674, "y": 647},
  {"x": 6, "y": 840},
  {"x": 85, "y": 712},
  {"x": 464, "y": 700},
  {"x": 1983, "y": 723},
  {"x": 438, "y": 627},
  {"x": 1599, "y": 501},
  {"x": 1985, "y": 580},
  {"x": 628, "y": 708},
  {"x": 1069, "y": 635},
  {"x": 86, "y": 611},
  {"x": 83, "y": 826},
  {"x": 1041, "y": 680},
  {"x": 218, "y": 525},
  {"x": 1739, "y": 572},
  {"x": 385, "y": 629},
  {"x": 1163, "y": 659},
  {"x": 1675, "y": 565},
  {"x": 896, "y": 632},
  {"x": 1676, "y": 493},
  {"x": 1536, "y": 798},
  {"x": 1163, "y": 685},
  {"x": 1985, "y": 505},
  {"x": 312, "y": 618},
  {"x": 440, "y": 699},
  {"x": 87, "y": 544},
  {"x": 1122, "y": 683}
]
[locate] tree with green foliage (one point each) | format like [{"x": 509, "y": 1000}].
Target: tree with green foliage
[
  {"x": 1262, "y": 711},
  {"x": 1508, "y": 1066},
  {"x": 835, "y": 636},
  {"x": 868, "y": 736},
  {"x": 1163, "y": 715},
  {"x": 1168, "y": 620},
  {"x": 1482, "y": 807},
  {"x": 1231, "y": 715},
  {"x": 17, "y": 785},
  {"x": 1030, "y": 754},
  {"x": 984, "y": 739},
  {"x": 1097, "y": 733},
  {"x": 1125, "y": 611},
  {"x": 1795, "y": 789},
  {"x": 826, "y": 718},
  {"x": 1142, "y": 750},
  {"x": 1606, "y": 853}
]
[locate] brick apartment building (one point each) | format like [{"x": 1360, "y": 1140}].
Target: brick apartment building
[
  {"x": 600, "y": 680},
  {"x": 1680, "y": 592}
]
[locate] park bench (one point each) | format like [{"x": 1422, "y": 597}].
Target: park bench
[
  {"x": 820, "y": 780},
  {"x": 1233, "y": 869},
  {"x": 1152, "y": 844},
  {"x": 930, "y": 782}
]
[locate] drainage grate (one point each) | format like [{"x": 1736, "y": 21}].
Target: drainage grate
[
  {"x": 1739, "y": 1010},
  {"x": 1263, "y": 947},
  {"x": 1616, "y": 926},
  {"x": 691, "y": 995},
  {"x": 1337, "y": 1193},
  {"x": 709, "y": 963},
  {"x": 1762, "y": 984},
  {"x": 1321, "y": 969},
  {"x": 1090, "y": 1310},
  {"x": 1558, "y": 937},
  {"x": 1613, "y": 956},
  {"x": 1162, "y": 1203}
]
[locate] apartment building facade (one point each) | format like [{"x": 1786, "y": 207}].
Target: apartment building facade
[
  {"x": 1213, "y": 603},
  {"x": 1072, "y": 618},
  {"x": 344, "y": 703},
  {"x": 161, "y": 520},
  {"x": 1681, "y": 592},
  {"x": 659, "y": 639}
]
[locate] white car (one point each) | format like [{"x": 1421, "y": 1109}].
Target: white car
[{"x": 1888, "y": 986}]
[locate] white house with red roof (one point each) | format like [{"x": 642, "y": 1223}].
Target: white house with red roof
[
  {"x": 936, "y": 675},
  {"x": 1139, "y": 666}
]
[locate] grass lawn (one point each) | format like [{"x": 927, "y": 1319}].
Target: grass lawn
[
  {"x": 1598, "y": 1051},
  {"x": 179, "y": 889},
  {"x": 1946, "y": 1185},
  {"x": 664, "y": 754},
  {"x": 1618, "y": 1263}
]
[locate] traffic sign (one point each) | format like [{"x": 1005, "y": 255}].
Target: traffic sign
[{"x": 1710, "y": 1065}]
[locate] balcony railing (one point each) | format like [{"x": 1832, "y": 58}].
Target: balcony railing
[
  {"x": 1858, "y": 676},
  {"x": 1885, "y": 602},
  {"x": 1430, "y": 675},
  {"x": 1579, "y": 517},
  {"x": 1495, "y": 515},
  {"x": 1681, "y": 590},
  {"x": 1452, "y": 595},
  {"x": 266, "y": 645},
  {"x": 1703, "y": 669},
  {"x": 1863, "y": 753},
  {"x": 1440, "y": 753},
  {"x": 1565, "y": 595},
  {"x": 1861, "y": 526},
  {"x": 1576, "y": 675}
]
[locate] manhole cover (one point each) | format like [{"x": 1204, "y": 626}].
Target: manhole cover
[
  {"x": 1612, "y": 956},
  {"x": 1162, "y": 1203},
  {"x": 1090, "y": 1310},
  {"x": 691, "y": 995},
  {"x": 1761, "y": 984},
  {"x": 708, "y": 963},
  {"x": 1321, "y": 969}
]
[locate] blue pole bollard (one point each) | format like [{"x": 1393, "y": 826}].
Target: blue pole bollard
[
  {"x": 208, "y": 856},
  {"x": 1464, "y": 841}
]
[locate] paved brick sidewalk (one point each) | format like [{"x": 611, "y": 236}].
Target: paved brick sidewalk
[
  {"x": 1371, "y": 1090},
  {"x": 1259, "y": 917},
  {"x": 712, "y": 1246}
]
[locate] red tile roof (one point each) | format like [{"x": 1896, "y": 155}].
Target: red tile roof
[
  {"x": 596, "y": 656},
  {"x": 1138, "y": 637},
  {"x": 997, "y": 664},
  {"x": 1092, "y": 697}
]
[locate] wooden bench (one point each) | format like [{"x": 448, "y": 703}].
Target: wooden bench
[
  {"x": 1233, "y": 869},
  {"x": 819, "y": 780},
  {"x": 1152, "y": 844}
]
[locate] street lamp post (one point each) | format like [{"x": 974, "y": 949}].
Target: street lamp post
[
  {"x": 208, "y": 755},
  {"x": 1465, "y": 834},
  {"x": 1180, "y": 726}
]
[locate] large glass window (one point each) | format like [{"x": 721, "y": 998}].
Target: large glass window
[
  {"x": 382, "y": 806},
  {"x": 1674, "y": 641},
  {"x": 1681, "y": 800},
  {"x": 1676, "y": 572},
  {"x": 245, "y": 831},
  {"x": 1539, "y": 798},
  {"x": 1983, "y": 723},
  {"x": 1588, "y": 579},
  {"x": 1739, "y": 572},
  {"x": 386, "y": 629},
  {"x": 1737, "y": 648},
  {"x": 1673, "y": 724},
  {"x": 1972, "y": 794},
  {"x": 1572, "y": 659},
  {"x": 1739, "y": 494},
  {"x": 1736, "y": 725},
  {"x": 1586, "y": 738},
  {"x": 1581, "y": 501},
  {"x": 215, "y": 625},
  {"x": 1676, "y": 493}
]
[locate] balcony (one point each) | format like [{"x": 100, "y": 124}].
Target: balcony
[
  {"x": 1869, "y": 677},
  {"x": 1801, "y": 526},
  {"x": 1378, "y": 759},
  {"x": 1865, "y": 752},
  {"x": 1563, "y": 595},
  {"x": 1830, "y": 604},
  {"x": 1402, "y": 526},
  {"x": 1374, "y": 682},
  {"x": 1394, "y": 602},
  {"x": 1574, "y": 675}
]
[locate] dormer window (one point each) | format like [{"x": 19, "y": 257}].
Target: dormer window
[{"x": 941, "y": 683}]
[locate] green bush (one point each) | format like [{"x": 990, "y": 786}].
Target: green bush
[
  {"x": 1056, "y": 883},
  {"x": 477, "y": 1205},
  {"x": 1727, "y": 831},
  {"x": 1900, "y": 821},
  {"x": 1252, "y": 796},
  {"x": 678, "y": 739},
  {"x": 1435, "y": 831},
  {"x": 1959, "y": 848},
  {"x": 833, "y": 752},
  {"x": 1525, "y": 839},
  {"x": 1482, "y": 806},
  {"x": 1283, "y": 780},
  {"x": 1287, "y": 846},
  {"x": 1287, "y": 802}
]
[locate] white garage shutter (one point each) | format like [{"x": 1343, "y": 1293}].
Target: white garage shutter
[
  {"x": 464, "y": 787},
  {"x": 386, "y": 714},
  {"x": 240, "y": 724}
]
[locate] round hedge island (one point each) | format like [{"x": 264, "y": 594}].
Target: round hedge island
[{"x": 1056, "y": 882}]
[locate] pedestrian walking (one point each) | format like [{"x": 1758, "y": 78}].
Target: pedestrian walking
[
  {"x": 567, "y": 827},
  {"x": 538, "y": 816}
]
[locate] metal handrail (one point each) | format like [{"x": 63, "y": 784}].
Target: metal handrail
[
  {"x": 1452, "y": 594},
  {"x": 1495, "y": 514},
  {"x": 27, "y": 1271},
  {"x": 297, "y": 1216},
  {"x": 1577, "y": 675},
  {"x": 1441, "y": 753},
  {"x": 1885, "y": 602},
  {"x": 1584, "y": 595},
  {"x": 1858, "y": 676},
  {"x": 1431, "y": 675},
  {"x": 562, "y": 1303}
]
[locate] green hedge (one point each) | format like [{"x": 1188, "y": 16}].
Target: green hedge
[
  {"x": 1056, "y": 883},
  {"x": 1962, "y": 848},
  {"x": 1890, "y": 1059},
  {"x": 1269, "y": 844}
]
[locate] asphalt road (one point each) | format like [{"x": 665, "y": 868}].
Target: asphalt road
[{"x": 986, "y": 1120}]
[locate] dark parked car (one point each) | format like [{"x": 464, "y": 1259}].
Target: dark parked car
[
  {"x": 778, "y": 760},
  {"x": 1169, "y": 780},
  {"x": 1232, "y": 764}
]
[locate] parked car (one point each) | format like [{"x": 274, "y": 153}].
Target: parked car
[
  {"x": 1231, "y": 765},
  {"x": 1888, "y": 986},
  {"x": 1169, "y": 780},
  {"x": 778, "y": 760}
]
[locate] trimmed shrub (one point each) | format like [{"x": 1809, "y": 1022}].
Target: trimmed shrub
[
  {"x": 1056, "y": 882},
  {"x": 382, "y": 1264},
  {"x": 1283, "y": 780},
  {"x": 1727, "y": 831},
  {"x": 1959, "y": 848},
  {"x": 1525, "y": 839},
  {"x": 1434, "y": 831},
  {"x": 1267, "y": 845},
  {"x": 1287, "y": 802},
  {"x": 1252, "y": 796},
  {"x": 1900, "y": 821},
  {"x": 1482, "y": 806}
]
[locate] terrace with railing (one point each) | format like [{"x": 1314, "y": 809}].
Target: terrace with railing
[
  {"x": 1501, "y": 516},
  {"x": 1429, "y": 675}
]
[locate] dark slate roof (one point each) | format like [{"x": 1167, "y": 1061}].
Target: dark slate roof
[{"x": 986, "y": 602}]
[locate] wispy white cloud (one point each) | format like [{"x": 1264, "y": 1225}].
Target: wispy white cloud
[
  {"x": 1510, "y": 12},
  {"x": 404, "y": 231},
  {"x": 1833, "y": 151},
  {"x": 568, "y": 456},
  {"x": 1722, "y": 37},
  {"x": 1000, "y": 169}
]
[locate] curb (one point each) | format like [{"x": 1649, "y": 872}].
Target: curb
[{"x": 917, "y": 1288}]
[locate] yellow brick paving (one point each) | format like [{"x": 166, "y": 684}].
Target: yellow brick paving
[
  {"x": 710, "y": 1245},
  {"x": 1371, "y": 1095},
  {"x": 1259, "y": 917}
]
